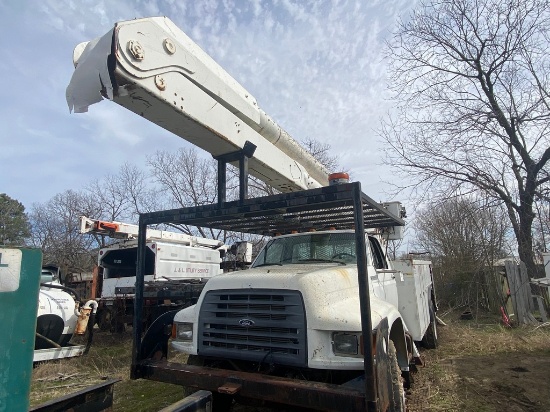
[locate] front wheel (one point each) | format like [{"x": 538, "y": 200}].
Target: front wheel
[
  {"x": 397, "y": 390},
  {"x": 429, "y": 341}
]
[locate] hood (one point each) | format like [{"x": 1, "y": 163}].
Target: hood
[
  {"x": 330, "y": 291},
  {"x": 287, "y": 273}
]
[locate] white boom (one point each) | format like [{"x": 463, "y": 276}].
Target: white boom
[
  {"x": 154, "y": 69},
  {"x": 128, "y": 231}
]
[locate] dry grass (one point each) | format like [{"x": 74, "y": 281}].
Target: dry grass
[
  {"x": 109, "y": 357},
  {"x": 439, "y": 386},
  {"x": 487, "y": 336}
]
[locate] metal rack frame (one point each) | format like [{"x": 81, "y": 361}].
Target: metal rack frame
[{"x": 342, "y": 206}]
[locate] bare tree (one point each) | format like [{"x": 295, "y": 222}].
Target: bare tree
[
  {"x": 464, "y": 238},
  {"x": 463, "y": 230},
  {"x": 322, "y": 152},
  {"x": 119, "y": 197},
  {"x": 471, "y": 82},
  {"x": 141, "y": 193},
  {"x": 186, "y": 179},
  {"x": 55, "y": 229},
  {"x": 541, "y": 235},
  {"x": 122, "y": 196}
]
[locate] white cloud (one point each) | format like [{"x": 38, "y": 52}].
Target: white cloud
[{"x": 314, "y": 66}]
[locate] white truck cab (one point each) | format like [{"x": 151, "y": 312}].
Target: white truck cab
[{"x": 298, "y": 305}]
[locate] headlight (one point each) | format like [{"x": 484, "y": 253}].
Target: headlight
[
  {"x": 184, "y": 331},
  {"x": 344, "y": 344}
]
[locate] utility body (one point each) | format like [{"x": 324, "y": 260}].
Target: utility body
[{"x": 323, "y": 319}]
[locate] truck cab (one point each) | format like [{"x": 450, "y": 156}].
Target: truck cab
[{"x": 298, "y": 307}]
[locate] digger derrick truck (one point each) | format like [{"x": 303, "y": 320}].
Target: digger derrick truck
[
  {"x": 178, "y": 266},
  {"x": 323, "y": 320}
]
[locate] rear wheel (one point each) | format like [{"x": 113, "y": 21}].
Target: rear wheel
[
  {"x": 104, "y": 320},
  {"x": 397, "y": 391},
  {"x": 109, "y": 321},
  {"x": 429, "y": 340}
]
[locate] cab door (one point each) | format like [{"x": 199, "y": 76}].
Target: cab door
[{"x": 381, "y": 276}]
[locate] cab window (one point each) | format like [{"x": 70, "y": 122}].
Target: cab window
[{"x": 378, "y": 258}]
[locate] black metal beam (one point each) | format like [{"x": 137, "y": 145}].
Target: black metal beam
[
  {"x": 138, "y": 300},
  {"x": 94, "y": 398},
  {"x": 300, "y": 393},
  {"x": 222, "y": 181},
  {"x": 364, "y": 301},
  {"x": 241, "y": 156},
  {"x": 314, "y": 204},
  {"x": 243, "y": 178}
]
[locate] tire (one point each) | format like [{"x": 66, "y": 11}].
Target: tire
[
  {"x": 220, "y": 401},
  {"x": 104, "y": 320},
  {"x": 429, "y": 341},
  {"x": 108, "y": 322},
  {"x": 397, "y": 390}
]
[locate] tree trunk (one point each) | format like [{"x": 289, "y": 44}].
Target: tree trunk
[{"x": 525, "y": 239}]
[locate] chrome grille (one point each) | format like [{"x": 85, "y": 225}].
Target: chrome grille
[{"x": 260, "y": 325}]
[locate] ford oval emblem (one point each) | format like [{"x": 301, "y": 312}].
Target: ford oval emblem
[{"x": 246, "y": 322}]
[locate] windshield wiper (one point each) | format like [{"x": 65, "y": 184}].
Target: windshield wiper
[
  {"x": 269, "y": 264},
  {"x": 323, "y": 261}
]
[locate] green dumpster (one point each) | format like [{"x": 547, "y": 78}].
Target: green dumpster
[{"x": 20, "y": 270}]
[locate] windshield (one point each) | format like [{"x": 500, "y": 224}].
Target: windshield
[{"x": 311, "y": 248}]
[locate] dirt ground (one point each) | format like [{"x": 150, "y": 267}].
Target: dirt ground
[
  {"x": 505, "y": 382},
  {"x": 485, "y": 368},
  {"x": 479, "y": 366}
]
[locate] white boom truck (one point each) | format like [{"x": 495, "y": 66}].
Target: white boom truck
[
  {"x": 178, "y": 266},
  {"x": 323, "y": 320}
]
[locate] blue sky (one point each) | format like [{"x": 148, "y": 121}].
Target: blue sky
[{"x": 314, "y": 66}]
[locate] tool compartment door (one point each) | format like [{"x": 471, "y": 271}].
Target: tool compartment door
[{"x": 413, "y": 288}]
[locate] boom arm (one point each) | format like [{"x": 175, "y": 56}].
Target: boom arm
[
  {"x": 118, "y": 230},
  {"x": 152, "y": 68}
]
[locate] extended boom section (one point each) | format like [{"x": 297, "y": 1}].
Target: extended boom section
[{"x": 152, "y": 68}]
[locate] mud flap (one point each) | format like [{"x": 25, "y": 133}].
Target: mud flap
[
  {"x": 416, "y": 356},
  {"x": 382, "y": 365},
  {"x": 154, "y": 344}
]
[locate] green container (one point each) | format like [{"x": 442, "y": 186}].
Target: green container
[{"x": 20, "y": 270}]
